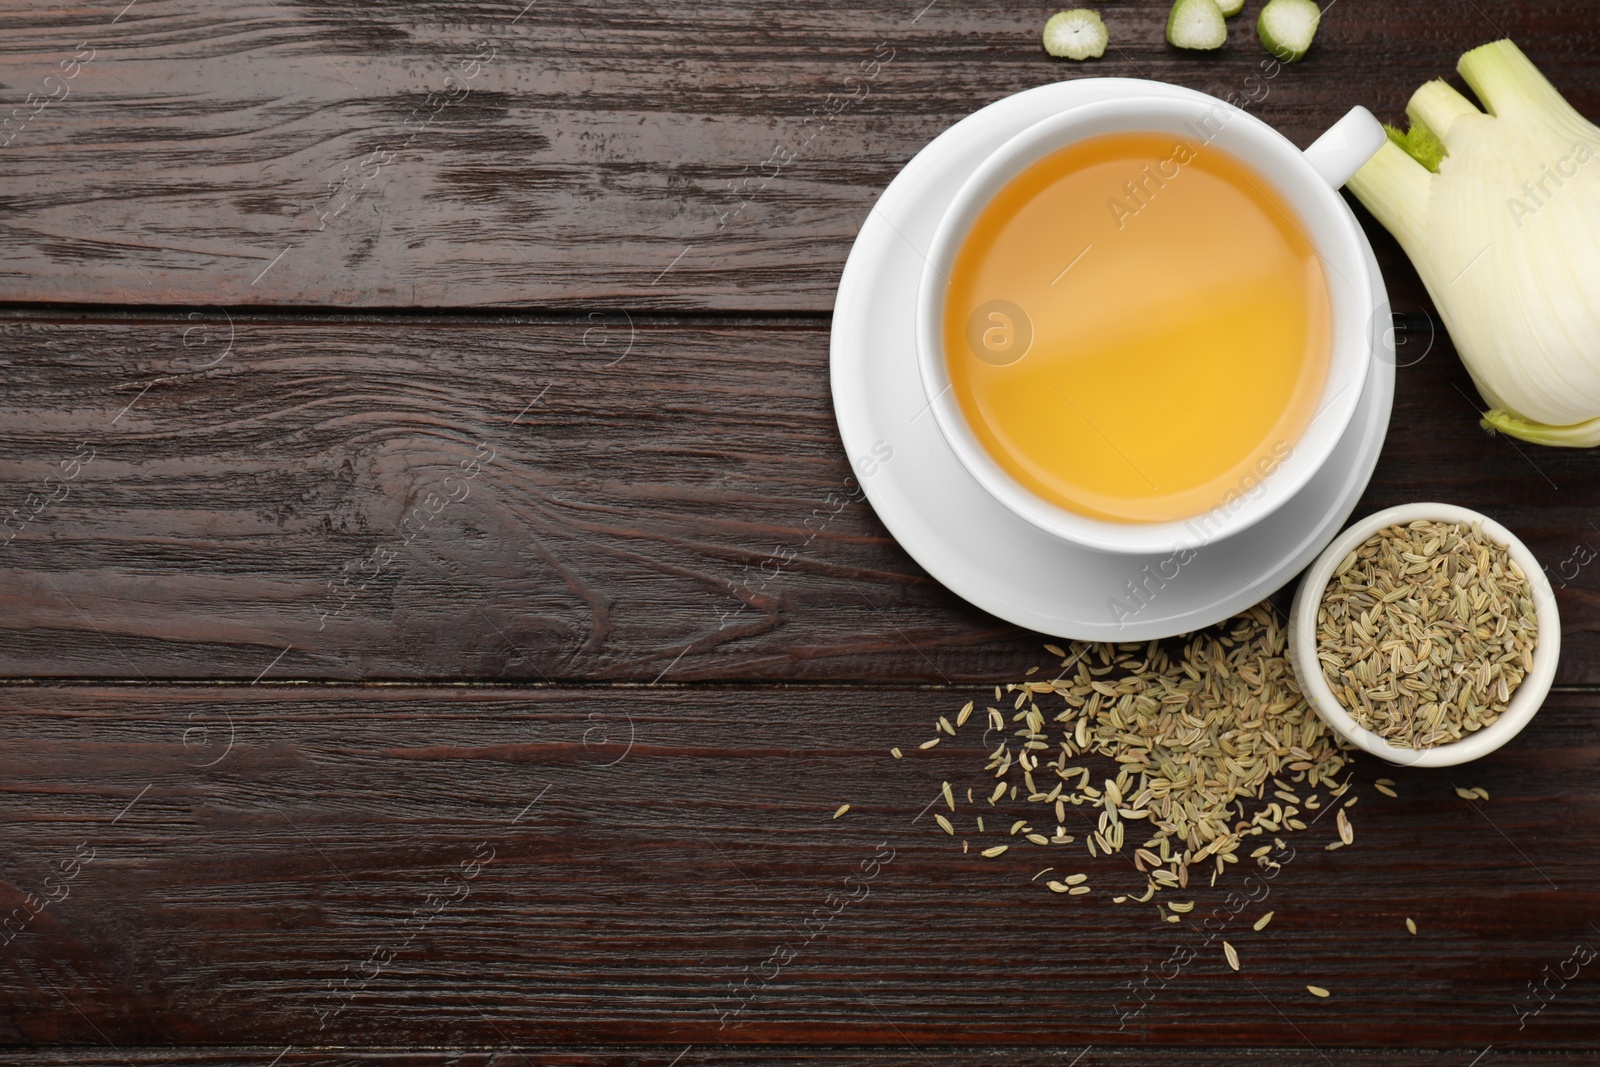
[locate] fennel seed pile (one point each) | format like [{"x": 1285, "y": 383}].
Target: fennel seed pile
[
  {"x": 1198, "y": 753},
  {"x": 1425, "y": 631}
]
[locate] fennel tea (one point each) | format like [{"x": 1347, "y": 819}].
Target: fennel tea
[{"x": 1136, "y": 326}]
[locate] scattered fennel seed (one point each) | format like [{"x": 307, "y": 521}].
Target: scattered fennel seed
[
  {"x": 896, "y": 753},
  {"x": 1261, "y": 923},
  {"x": 1231, "y": 955},
  {"x": 842, "y": 809},
  {"x": 991, "y": 853},
  {"x": 1187, "y": 741},
  {"x": 1386, "y": 791},
  {"x": 944, "y": 824},
  {"x": 1411, "y": 925},
  {"x": 1316, "y": 991}
]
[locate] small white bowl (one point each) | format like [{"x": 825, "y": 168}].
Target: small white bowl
[{"x": 1524, "y": 702}]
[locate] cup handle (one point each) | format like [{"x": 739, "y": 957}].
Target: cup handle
[{"x": 1349, "y": 143}]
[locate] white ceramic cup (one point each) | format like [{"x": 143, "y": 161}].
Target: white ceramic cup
[{"x": 1307, "y": 181}]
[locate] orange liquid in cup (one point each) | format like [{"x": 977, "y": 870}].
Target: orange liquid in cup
[{"x": 1137, "y": 326}]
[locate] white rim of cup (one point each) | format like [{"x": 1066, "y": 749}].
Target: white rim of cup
[
  {"x": 1139, "y": 538},
  {"x": 1525, "y": 702}
]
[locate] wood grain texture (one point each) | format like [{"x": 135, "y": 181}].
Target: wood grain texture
[
  {"x": 648, "y": 487},
  {"x": 603, "y": 862},
  {"x": 602, "y": 511},
  {"x": 666, "y": 155},
  {"x": 649, "y": 852},
  {"x": 791, "y": 1056}
]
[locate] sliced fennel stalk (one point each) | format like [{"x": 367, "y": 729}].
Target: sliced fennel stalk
[{"x": 1500, "y": 214}]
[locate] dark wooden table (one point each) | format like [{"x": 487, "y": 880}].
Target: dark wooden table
[{"x": 400, "y": 405}]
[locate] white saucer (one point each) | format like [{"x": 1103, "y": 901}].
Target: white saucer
[{"x": 963, "y": 536}]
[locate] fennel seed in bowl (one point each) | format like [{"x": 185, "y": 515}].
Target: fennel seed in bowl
[{"x": 1425, "y": 631}]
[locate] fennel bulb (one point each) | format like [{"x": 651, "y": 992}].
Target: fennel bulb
[{"x": 1500, "y": 214}]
